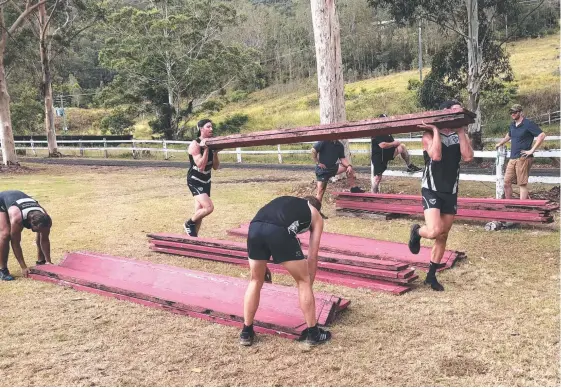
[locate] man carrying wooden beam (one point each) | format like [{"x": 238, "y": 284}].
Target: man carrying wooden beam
[
  {"x": 203, "y": 161},
  {"x": 443, "y": 150},
  {"x": 384, "y": 149},
  {"x": 272, "y": 233},
  {"x": 17, "y": 211},
  {"x": 330, "y": 160}
]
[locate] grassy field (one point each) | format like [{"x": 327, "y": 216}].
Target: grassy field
[{"x": 497, "y": 323}]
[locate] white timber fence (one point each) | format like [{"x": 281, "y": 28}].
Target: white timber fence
[{"x": 137, "y": 147}]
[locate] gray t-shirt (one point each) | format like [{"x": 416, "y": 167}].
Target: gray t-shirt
[
  {"x": 330, "y": 152},
  {"x": 522, "y": 136}
]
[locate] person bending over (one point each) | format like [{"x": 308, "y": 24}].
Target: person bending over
[
  {"x": 272, "y": 233},
  {"x": 18, "y": 211}
]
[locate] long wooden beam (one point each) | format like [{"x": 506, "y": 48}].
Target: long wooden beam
[{"x": 447, "y": 118}]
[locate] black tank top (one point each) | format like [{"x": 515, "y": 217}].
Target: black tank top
[
  {"x": 289, "y": 212},
  {"x": 194, "y": 173},
  {"x": 443, "y": 175},
  {"x": 23, "y": 202}
]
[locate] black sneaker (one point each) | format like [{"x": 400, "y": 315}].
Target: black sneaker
[
  {"x": 321, "y": 337},
  {"x": 433, "y": 283},
  {"x": 268, "y": 276},
  {"x": 413, "y": 168},
  {"x": 415, "y": 239},
  {"x": 5, "y": 275},
  {"x": 40, "y": 262},
  {"x": 356, "y": 189},
  {"x": 247, "y": 337},
  {"x": 190, "y": 228}
]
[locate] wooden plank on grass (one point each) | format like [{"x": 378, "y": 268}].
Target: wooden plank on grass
[
  {"x": 190, "y": 291},
  {"x": 362, "y": 247},
  {"x": 472, "y": 214},
  {"x": 322, "y": 276},
  {"x": 448, "y": 118},
  {"x": 218, "y": 245}
]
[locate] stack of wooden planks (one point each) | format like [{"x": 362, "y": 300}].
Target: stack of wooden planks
[
  {"x": 370, "y": 248},
  {"x": 198, "y": 294},
  {"x": 447, "y": 118},
  {"x": 335, "y": 268},
  {"x": 478, "y": 209}
]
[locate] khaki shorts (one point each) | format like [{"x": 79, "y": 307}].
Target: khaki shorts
[{"x": 518, "y": 170}]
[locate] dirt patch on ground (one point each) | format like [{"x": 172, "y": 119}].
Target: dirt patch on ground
[
  {"x": 17, "y": 170},
  {"x": 254, "y": 180},
  {"x": 551, "y": 195}
]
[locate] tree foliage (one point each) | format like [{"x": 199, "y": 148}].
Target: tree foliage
[
  {"x": 186, "y": 61},
  {"x": 449, "y": 68}
]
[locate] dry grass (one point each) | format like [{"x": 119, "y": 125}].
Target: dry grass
[{"x": 496, "y": 324}]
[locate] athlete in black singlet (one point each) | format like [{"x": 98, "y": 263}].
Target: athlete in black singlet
[
  {"x": 202, "y": 161},
  {"x": 18, "y": 211},
  {"x": 443, "y": 150},
  {"x": 272, "y": 233}
]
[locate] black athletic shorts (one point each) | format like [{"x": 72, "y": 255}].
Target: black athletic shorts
[
  {"x": 446, "y": 202},
  {"x": 266, "y": 240},
  {"x": 380, "y": 160},
  {"x": 198, "y": 188},
  {"x": 324, "y": 174}
]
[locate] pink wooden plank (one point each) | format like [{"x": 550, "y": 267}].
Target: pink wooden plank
[
  {"x": 450, "y": 118},
  {"x": 228, "y": 247},
  {"x": 216, "y": 295},
  {"x": 322, "y": 276},
  {"x": 463, "y": 202},
  {"x": 193, "y": 314},
  {"x": 403, "y": 276},
  {"x": 461, "y": 214},
  {"x": 361, "y": 246}
]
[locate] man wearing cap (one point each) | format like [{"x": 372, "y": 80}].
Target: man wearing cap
[
  {"x": 272, "y": 233},
  {"x": 384, "y": 149},
  {"x": 18, "y": 211},
  {"x": 330, "y": 160},
  {"x": 203, "y": 161},
  {"x": 521, "y": 134}
]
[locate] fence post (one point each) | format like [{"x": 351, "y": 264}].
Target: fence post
[
  {"x": 239, "y": 154},
  {"x": 33, "y": 147},
  {"x": 105, "y": 147},
  {"x": 280, "y": 155},
  {"x": 371, "y": 177},
  {"x": 165, "y": 145},
  {"x": 133, "y": 150},
  {"x": 499, "y": 164},
  {"x": 81, "y": 149},
  {"x": 549, "y": 117}
]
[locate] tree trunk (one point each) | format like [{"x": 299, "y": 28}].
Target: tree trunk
[
  {"x": 475, "y": 63},
  {"x": 6, "y": 135},
  {"x": 8, "y": 146},
  {"x": 331, "y": 88},
  {"x": 47, "y": 88}
]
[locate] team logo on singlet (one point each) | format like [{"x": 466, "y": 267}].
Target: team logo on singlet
[{"x": 293, "y": 228}]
